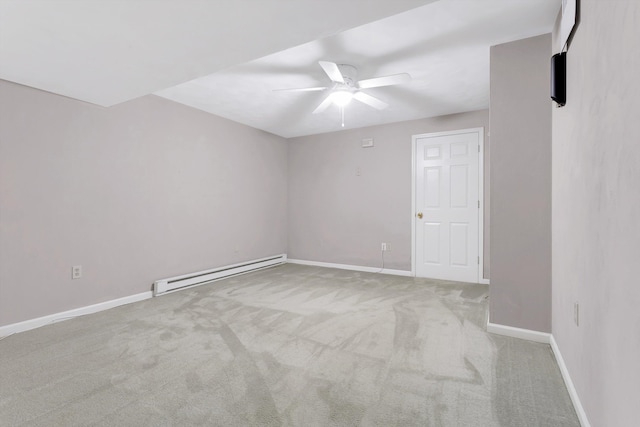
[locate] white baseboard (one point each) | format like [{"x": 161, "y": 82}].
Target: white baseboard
[
  {"x": 525, "y": 334},
  {"x": 351, "y": 267},
  {"x": 65, "y": 315},
  {"x": 545, "y": 338},
  {"x": 582, "y": 415}
]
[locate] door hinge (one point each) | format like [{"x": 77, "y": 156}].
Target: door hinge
[
  {"x": 478, "y": 148},
  {"x": 478, "y": 204},
  {"x": 478, "y": 260}
]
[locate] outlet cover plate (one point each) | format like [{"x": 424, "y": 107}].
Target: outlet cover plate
[{"x": 76, "y": 272}]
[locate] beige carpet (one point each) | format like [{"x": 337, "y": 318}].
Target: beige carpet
[{"x": 292, "y": 346}]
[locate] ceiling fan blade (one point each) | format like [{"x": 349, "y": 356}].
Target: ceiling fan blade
[
  {"x": 394, "y": 79},
  {"x": 323, "y": 105},
  {"x": 332, "y": 70},
  {"x": 302, "y": 89},
  {"x": 370, "y": 101}
]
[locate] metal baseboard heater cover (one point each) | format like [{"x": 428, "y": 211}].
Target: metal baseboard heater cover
[{"x": 177, "y": 283}]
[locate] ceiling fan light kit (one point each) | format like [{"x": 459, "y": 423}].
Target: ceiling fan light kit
[
  {"x": 346, "y": 87},
  {"x": 341, "y": 97}
]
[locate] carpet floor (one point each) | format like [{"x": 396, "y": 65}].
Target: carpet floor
[{"x": 286, "y": 346}]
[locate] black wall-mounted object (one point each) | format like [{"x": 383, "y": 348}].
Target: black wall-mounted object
[{"x": 559, "y": 78}]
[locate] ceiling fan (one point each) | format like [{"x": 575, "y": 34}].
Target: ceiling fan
[{"x": 345, "y": 86}]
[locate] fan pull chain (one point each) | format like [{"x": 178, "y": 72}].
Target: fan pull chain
[{"x": 342, "y": 112}]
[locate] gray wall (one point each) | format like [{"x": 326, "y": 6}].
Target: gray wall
[
  {"x": 596, "y": 213},
  {"x": 339, "y": 217},
  {"x": 520, "y": 293},
  {"x": 134, "y": 193}
]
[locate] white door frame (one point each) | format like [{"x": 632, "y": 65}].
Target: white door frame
[{"x": 414, "y": 138}]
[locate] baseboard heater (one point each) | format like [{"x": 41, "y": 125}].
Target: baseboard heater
[{"x": 173, "y": 284}]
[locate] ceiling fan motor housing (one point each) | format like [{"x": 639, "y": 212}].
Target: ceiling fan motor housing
[{"x": 349, "y": 73}]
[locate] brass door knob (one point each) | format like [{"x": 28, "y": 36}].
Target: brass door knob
[{"x": 419, "y": 215}]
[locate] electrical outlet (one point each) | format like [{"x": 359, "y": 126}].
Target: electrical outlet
[
  {"x": 386, "y": 247},
  {"x": 576, "y": 313},
  {"x": 76, "y": 272}
]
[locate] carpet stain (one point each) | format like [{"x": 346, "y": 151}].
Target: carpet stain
[{"x": 194, "y": 382}]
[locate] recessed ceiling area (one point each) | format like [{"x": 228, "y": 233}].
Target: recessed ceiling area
[
  {"x": 444, "y": 46},
  {"x": 229, "y": 57}
]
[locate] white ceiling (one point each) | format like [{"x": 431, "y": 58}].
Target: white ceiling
[{"x": 109, "y": 51}]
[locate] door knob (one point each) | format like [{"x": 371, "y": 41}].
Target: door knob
[{"x": 419, "y": 215}]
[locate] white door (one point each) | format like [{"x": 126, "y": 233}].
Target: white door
[{"x": 447, "y": 206}]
